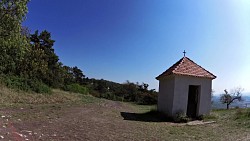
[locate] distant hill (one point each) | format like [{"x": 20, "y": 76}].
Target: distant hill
[{"x": 243, "y": 104}]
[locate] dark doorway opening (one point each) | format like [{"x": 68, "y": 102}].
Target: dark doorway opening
[{"x": 193, "y": 99}]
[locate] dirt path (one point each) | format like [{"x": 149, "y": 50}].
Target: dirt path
[{"x": 100, "y": 121}]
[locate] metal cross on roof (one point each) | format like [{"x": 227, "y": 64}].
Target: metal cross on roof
[{"x": 184, "y": 53}]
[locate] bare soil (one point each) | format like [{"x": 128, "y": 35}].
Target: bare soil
[{"x": 101, "y": 120}]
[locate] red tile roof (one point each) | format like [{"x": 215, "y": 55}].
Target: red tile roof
[{"x": 186, "y": 66}]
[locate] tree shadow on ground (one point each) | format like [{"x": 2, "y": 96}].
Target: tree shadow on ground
[{"x": 152, "y": 116}]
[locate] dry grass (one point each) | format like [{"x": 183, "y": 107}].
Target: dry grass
[
  {"x": 95, "y": 119},
  {"x": 12, "y": 97}
]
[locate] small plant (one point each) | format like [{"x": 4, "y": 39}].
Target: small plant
[
  {"x": 181, "y": 117},
  {"x": 201, "y": 117}
]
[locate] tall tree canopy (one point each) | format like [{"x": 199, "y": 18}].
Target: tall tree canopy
[
  {"x": 12, "y": 13},
  {"x": 13, "y": 45}
]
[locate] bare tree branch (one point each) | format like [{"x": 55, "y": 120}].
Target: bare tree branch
[{"x": 229, "y": 98}]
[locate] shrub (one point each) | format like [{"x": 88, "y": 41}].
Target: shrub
[
  {"x": 200, "y": 117},
  {"x": 40, "y": 87},
  {"x": 180, "y": 117},
  {"x": 76, "y": 88},
  {"x": 24, "y": 84},
  {"x": 15, "y": 82},
  {"x": 95, "y": 93},
  {"x": 145, "y": 98}
]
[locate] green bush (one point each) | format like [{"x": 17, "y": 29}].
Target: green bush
[
  {"x": 145, "y": 98},
  {"x": 40, "y": 87},
  {"x": 25, "y": 84},
  {"x": 94, "y": 93},
  {"x": 17, "y": 83},
  {"x": 76, "y": 88}
]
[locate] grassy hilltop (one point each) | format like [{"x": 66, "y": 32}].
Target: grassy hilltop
[{"x": 70, "y": 116}]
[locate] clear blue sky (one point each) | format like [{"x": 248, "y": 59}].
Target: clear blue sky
[{"x": 136, "y": 40}]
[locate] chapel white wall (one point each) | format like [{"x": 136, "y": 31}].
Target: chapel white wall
[
  {"x": 165, "y": 95},
  {"x": 173, "y": 94}
]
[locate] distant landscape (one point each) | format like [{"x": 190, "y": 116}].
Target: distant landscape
[{"x": 243, "y": 104}]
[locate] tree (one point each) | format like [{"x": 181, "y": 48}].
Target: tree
[
  {"x": 13, "y": 45},
  {"x": 78, "y": 75},
  {"x": 229, "y": 98},
  {"x": 67, "y": 75},
  {"x": 12, "y": 13},
  {"x": 44, "y": 42},
  {"x": 47, "y": 62}
]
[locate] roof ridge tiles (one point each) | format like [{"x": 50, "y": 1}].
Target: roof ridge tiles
[{"x": 186, "y": 66}]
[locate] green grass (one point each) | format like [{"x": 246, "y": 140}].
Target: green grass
[
  {"x": 230, "y": 125},
  {"x": 143, "y": 108},
  {"x": 242, "y": 117},
  {"x": 28, "y": 105}
]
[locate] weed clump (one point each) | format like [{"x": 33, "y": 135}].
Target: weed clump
[{"x": 181, "y": 117}]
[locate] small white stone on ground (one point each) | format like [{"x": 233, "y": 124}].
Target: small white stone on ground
[{"x": 21, "y": 135}]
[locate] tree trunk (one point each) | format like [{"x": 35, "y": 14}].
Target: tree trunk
[{"x": 227, "y": 106}]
